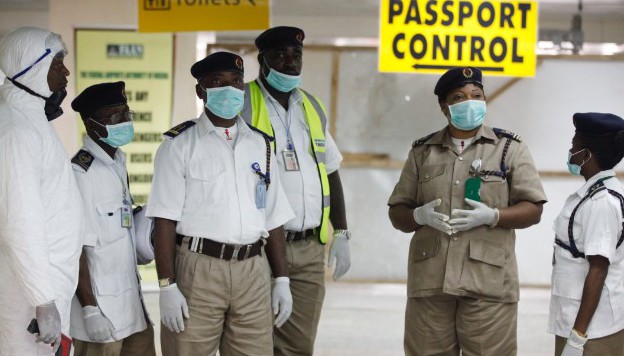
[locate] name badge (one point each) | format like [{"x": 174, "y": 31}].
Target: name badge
[
  {"x": 261, "y": 190},
  {"x": 126, "y": 216},
  {"x": 290, "y": 160}
]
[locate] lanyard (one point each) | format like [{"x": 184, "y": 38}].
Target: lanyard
[
  {"x": 256, "y": 166},
  {"x": 123, "y": 184},
  {"x": 290, "y": 143}
]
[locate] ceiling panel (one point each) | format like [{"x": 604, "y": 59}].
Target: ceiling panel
[{"x": 331, "y": 8}]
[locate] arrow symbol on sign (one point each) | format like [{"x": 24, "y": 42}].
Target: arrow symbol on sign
[{"x": 428, "y": 66}]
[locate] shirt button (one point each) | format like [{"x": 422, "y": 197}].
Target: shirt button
[
  {"x": 461, "y": 158},
  {"x": 486, "y": 176},
  {"x": 424, "y": 253},
  {"x": 426, "y": 176},
  {"x": 454, "y": 238},
  {"x": 456, "y": 182}
]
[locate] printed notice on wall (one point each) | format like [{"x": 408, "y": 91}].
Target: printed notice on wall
[
  {"x": 431, "y": 36},
  {"x": 145, "y": 63}
]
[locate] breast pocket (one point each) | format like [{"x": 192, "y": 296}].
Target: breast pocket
[
  {"x": 109, "y": 216},
  {"x": 205, "y": 182},
  {"x": 430, "y": 178},
  {"x": 494, "y": 191}
]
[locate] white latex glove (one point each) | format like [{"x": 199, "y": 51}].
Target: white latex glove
[
  {"x": 282, "y": 300},
  {"x": 467, "y": 219},
  {"x": 99, "y": 328},
  {"x": 426, "y": 215},
  {"x": 49, "y": 322},
  {"x": 574, "y": 345},
  {"x": 173, "y": 308},
  {"x": 339, "y": 252}
]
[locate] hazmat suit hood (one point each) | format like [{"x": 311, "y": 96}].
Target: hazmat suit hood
[{"x": 26, "y": 54}]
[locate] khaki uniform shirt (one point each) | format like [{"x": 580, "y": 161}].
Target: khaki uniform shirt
[{"x": 480, "y": 262}]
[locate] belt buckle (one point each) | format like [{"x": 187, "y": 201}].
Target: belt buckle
[
  {"x": 236, "y": 251},
  {"x": 193, "y": 243},
  {"x": 247, "y": 252}
]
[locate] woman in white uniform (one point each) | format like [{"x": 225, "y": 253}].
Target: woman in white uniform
[{"x": 587, "y": 302}]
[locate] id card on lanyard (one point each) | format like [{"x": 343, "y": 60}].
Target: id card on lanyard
[
  {"x": 126, "y": 214},
  {"x": 291, "y": 163}
]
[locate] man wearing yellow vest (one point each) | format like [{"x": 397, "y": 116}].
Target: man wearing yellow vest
[{"x": 308, "y": 160}]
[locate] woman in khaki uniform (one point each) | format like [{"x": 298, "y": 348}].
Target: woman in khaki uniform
[{"x": 463, "y": 191}]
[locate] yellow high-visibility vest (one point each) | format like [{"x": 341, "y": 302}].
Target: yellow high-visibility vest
[{"x": 255, "y": 113}]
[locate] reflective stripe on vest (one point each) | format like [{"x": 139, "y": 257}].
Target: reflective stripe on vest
[{"x": 255, "y": 113}]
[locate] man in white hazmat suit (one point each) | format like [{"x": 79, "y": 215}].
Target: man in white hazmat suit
[{"x": 40, "y": 208}]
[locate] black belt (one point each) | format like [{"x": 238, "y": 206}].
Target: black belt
[
  {"x": 298, "y": 235},
  {"x": 220, "y": 250}
]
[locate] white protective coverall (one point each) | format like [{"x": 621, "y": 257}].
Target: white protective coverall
[{"x": 40, "y": 207}]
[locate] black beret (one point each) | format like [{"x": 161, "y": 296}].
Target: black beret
[
  {"x": 456, "y": 78},
  {"x": 597, "y": 124},
  {"x": 281, "y": 36},
  {"x": 217, "y": 62},
  {"x": 98, "y": 96}
]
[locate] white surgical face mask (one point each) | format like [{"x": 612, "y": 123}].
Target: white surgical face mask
[
  {"x": 225, "y": 102},
  {"x": 282, "y": 82},
  {"x": 575, "y": 169},
  {"x": 467, "y": 115}
]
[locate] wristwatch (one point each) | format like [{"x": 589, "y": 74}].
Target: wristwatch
[
  {"x": 164, "y": 282},
  {"x": 344, "y": 233}
]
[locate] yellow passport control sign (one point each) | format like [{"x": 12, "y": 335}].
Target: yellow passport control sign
[
  {"x": 431, "y": 36},
  {"x": 203, "y": 15}
]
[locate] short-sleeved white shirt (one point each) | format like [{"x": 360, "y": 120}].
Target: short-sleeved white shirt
[
  {"x": 109, "y": 247},
  {"x": 596, "y": 229},
  {"x": 209, "y": 187},
  {"x": 302, "y": 187}
]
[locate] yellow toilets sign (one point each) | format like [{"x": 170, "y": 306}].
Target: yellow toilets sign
[
  {"x": 431, "y": 36},
  {"x": 203, "y": 15}
]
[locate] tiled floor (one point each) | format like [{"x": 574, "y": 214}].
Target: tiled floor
[{"x": 367, "y": 319}]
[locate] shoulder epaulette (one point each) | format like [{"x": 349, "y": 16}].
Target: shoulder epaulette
[
  {"x": 178, "y": 129},
  {"x": 271, "y": 138},
  {"x": 504, "y": 133},
  {"x": 422, "y": 140},
  {"x": 596, "y": 188},
  {"x": 83, "y": 159}
]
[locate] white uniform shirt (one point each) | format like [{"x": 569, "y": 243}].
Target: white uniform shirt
[
  {"x": 302, "y": 187},
  {"x": 597, "y": 228},
  {"x": 109, "y": 247},
  {"x": 209, "y": 187}
]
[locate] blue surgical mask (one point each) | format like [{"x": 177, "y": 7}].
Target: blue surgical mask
[
  {"x": 118, "y": 134},
  {"x": 283, "y": 82},
  {"x": 467, "y": 115},
  {"x": 575, "y": 169},
  {"x": 225, "y": 102}
]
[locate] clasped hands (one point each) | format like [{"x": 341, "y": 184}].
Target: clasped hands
[{"x": 461, "y": 220}]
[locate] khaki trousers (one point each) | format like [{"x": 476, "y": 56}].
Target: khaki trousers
[
  {"x": 611, "y": 345},
  {"x": 137, "y": 344},
  {"x": 306, "y": 263},
  {"x": 444, "y": 325},
  {"x": 229, "y": 306}
]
